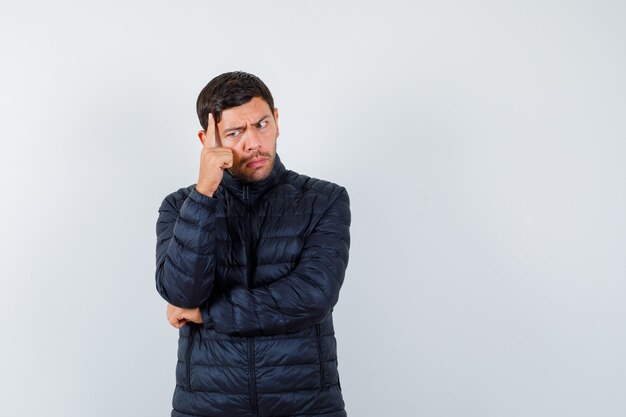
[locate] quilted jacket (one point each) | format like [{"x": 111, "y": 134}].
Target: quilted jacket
[{"x": 264, "y": 261}]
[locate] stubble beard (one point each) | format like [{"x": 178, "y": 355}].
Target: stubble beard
[{"x": 255, "y": 175}]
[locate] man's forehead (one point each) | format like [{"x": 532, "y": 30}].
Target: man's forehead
[
  {"x": 256, "y": 104},
  {"x": 250, "y": 112}
]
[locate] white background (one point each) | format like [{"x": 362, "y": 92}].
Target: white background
[{"x": 482, "y": 144}]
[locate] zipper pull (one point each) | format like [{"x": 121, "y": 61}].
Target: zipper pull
[{"x": 245, "y": 192}]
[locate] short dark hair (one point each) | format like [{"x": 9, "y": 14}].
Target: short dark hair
[{"x": 228, "y": 90}]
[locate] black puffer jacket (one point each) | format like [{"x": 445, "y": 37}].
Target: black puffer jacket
[{"x": 265, "y": 262}]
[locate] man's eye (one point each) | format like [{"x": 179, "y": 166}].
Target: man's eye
[
  {"x": 263, "y": 124},
  {"x": 233, "y": 134}
]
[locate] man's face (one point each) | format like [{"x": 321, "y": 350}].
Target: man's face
[{"x": 250, "y": 132}]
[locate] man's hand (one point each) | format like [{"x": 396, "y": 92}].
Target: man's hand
[
  {"x": 179, "y": 316},
  {"x": 213, "y": 160}
]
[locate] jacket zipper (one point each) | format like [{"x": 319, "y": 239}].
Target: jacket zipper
[
  {"x": 318, "y": 336},
  {"x": 250, "y": 277},
  {"x": 188, "y": 356},
  {"x": 252, "y": 378}
]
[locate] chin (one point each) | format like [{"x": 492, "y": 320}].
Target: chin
[
  {"x": 253, "y": 176},
  {"x": 259, "y": 176}
]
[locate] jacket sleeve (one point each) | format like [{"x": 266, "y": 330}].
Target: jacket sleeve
[
  {"x": 185, "y": 261},
  {"x": 304, "y": 297}
]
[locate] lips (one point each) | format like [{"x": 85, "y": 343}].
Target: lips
[{"x": 256, "y": 162}]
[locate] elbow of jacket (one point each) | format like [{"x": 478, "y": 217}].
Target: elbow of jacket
[
  {"x": 163, "y": 292},
  {"x": 161, "y": 284},
  {"x": 178, "y": 299},
  {"x": 174, "y": 295},
  {"x": 324, "y": 304}
]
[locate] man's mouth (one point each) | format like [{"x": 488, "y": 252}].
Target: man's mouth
[{"x": 255, "y": 162}]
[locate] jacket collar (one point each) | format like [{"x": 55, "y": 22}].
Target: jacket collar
[{"x": 249, "y": 192}]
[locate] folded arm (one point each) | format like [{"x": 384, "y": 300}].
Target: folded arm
[{"x": 300, "y": 299}]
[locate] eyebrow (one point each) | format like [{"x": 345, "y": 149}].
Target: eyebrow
[{"x": 230, "y": 129}]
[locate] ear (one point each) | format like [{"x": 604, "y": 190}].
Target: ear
[
  {"x": 276, "y": 120},
  {"x": 201, "y": 136}
]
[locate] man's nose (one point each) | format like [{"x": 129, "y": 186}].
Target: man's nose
[{"x": 252, "y": 140}]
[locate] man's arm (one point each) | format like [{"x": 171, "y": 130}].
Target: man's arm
[
  {"x": 185, "y": 260},
  {"x": 301, "y": 299}
]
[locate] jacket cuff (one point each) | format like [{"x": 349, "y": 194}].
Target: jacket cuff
[{"x": 200, "y": 198}]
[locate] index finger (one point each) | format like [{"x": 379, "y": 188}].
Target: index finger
[{"x": 212, "y": 137}]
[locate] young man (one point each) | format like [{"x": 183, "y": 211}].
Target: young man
[{"x": 251, "y": 260}]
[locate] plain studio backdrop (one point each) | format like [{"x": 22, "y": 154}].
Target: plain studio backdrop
[{"x": 482, "y": 144}]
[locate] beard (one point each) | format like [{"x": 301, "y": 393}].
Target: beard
[{"x": 254, "y": 175}]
